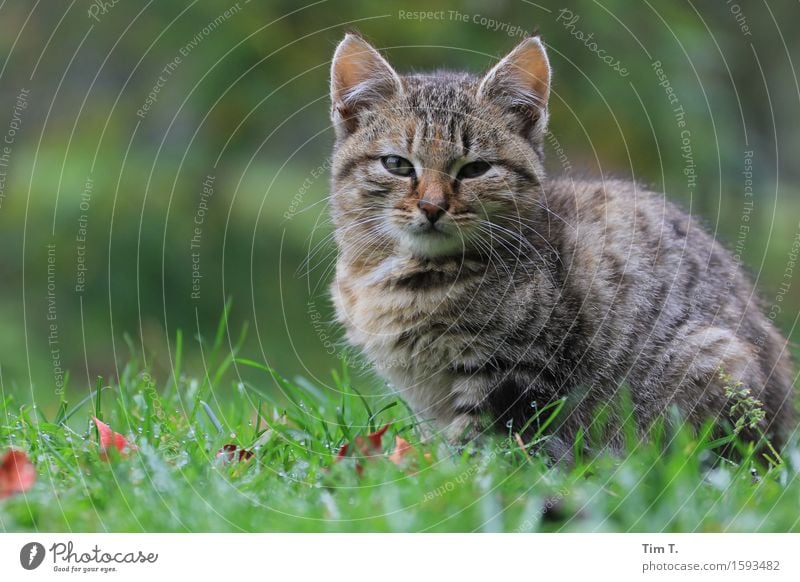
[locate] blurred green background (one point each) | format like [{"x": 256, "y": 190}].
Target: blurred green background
[{"x": 167, "y": 156}]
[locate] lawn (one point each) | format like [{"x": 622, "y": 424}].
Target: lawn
[{"x": 298, "y": 479}]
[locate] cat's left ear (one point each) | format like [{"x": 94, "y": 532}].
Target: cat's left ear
[{"x": 520, "y": 82}]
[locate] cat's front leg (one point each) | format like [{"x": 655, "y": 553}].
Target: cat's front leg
[
  {"x": 462, "y": 429},
  {"x": 467, "y": 395}
]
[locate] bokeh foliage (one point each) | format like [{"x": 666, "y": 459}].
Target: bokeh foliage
[{"x": 247, "y": 104}]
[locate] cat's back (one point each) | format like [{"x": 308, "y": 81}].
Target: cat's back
[
  {"x": 620, "y": 234},
  {"x": 647, "y": 269}
]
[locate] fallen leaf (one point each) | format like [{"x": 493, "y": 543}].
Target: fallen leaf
[
  {"x": 369, "y": 447},
  {"x": 405, "y": 455},
  {"x": 402, "y": 449},
  {"x": 111, "y": 440},
  {"x": 374, "y": 438},
  {"x": 230, "y": 453},
  {"x": 17, "y": 473}
]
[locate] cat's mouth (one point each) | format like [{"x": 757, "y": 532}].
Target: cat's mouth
[
  {"x": 428, "y": 229},
  {"x": 433, "y": 240}
]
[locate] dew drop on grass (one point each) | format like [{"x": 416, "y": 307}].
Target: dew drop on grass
[
  {"x": 182, "y": 460},
  {"x": 719, "y": 478},
  {"x": 192, "y": 389}
]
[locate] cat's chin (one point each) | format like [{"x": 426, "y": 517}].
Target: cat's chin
[{"x": 433, "y": 244}]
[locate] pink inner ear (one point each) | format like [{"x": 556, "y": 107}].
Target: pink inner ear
[
  {"x": 535, "y": 69},
  {"x": 359, "y": 75},
  {"x": 522, "y": 78}
]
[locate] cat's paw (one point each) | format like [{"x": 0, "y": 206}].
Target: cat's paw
[{"x": 462, "y": 429}]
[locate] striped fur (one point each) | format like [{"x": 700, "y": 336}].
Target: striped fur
[{"x": 533, "y": 288}]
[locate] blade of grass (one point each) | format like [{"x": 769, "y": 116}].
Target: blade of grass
[
  {"x": 80, "y": 404},
  {"x": 98, "y": 411},
  {"x": 222, "y": 326},
  {"x": 211, "y": 416}
]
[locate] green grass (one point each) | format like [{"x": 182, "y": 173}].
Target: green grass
[{"x": 294, "y": 483}]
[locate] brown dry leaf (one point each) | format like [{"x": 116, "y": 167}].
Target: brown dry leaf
[{"x": 231, "y": 453}]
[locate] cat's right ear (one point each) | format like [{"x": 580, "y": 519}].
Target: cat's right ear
[{"x": 360, "y": 78}]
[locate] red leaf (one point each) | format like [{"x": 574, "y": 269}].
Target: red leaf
[
  {"x": 369, "y": 446},
  {"x": 376, "y": 437},
  {"x": 111, "y": 440},
  {"x": 17, "y": 473},
  {"x": 342, "y": 451},
  {"x": 230, "y": 453}
]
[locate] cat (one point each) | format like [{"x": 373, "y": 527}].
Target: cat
[{"x": 482, "y": 290}]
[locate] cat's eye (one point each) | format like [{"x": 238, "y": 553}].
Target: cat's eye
[
  {"x": 473, "y": 170},
  {"x": 398, "y": 166}
]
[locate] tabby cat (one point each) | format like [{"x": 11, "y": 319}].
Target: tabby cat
[{"x": 483, "y": 290}]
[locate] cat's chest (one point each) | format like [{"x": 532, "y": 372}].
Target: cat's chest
[{"x": 406, "y": 329}]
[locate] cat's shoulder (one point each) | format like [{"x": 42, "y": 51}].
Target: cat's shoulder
[
  {"x": 607, "y": 200},
  {"x": 591, "y": 190}
]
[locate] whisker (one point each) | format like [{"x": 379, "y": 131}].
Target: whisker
[
  {"x": 330, "y": 236},
  {"x": 491, "y": 228},
  {"x": 527, "y": 224}
]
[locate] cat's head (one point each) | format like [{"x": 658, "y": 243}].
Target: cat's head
[{"x": 437, "y": 164}]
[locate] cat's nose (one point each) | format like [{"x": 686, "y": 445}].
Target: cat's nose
[{"x": 433, "y": 211}]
